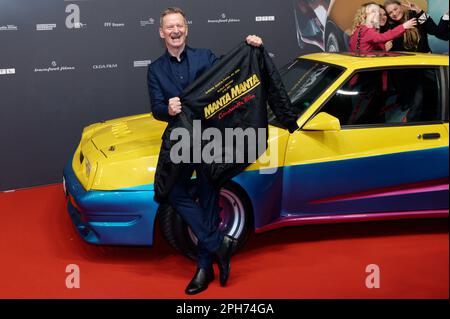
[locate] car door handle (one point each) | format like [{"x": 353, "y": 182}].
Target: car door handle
[{"x": 429, "y": 136}]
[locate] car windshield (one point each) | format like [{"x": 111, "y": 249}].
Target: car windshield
[{"x": 305, "y": 80}]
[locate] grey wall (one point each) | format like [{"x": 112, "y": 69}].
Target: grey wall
[{"x": 43, "y": 112}]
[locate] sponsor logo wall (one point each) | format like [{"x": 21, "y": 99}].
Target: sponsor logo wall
[
  {"x": 45, "y": 26},
  {"x": 224, "y": 19},
  {"x": 67, "y": 64},
  {"x": 8, "y": 27},
  {"x": 54, "y": 67},
  {"x": 7, "y": 71}
]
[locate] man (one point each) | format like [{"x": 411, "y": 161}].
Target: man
[{"x": 168, "y": 76}]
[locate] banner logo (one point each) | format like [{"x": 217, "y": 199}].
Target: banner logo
[
  {"x": 104, "y": 66},
  {"x": 55, "y": 68},
  {"x": 45, "y": 27},
  {"x": 265, "y": 18},
  {"x": 8, "y": 71},
  {"x": 150, "y": 21},
  {"x": 141, "y": 64},
  {"x": 223, "y": 19},
  {"x": 114, "y": 25},
  {"x": 9, "y": 27}
]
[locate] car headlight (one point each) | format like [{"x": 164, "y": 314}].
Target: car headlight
[{"x": 88, "y": 167}]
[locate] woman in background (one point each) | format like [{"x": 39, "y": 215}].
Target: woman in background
[
  {"x": 383, "y": 19},
  {"x": 365, "y": 35},
  {"x": 384, "y": 26},
  {"x": 414, "y": 40}
]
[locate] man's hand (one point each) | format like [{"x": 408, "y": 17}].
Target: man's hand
[
  {"x": 254, "y": 41},
  {"x": 174, "y": 106}
]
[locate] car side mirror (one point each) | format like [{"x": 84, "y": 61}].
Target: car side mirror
[{"x": 323, "y": 122}]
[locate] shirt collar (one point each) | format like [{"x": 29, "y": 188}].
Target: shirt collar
[{"x": 182, "y": 55}]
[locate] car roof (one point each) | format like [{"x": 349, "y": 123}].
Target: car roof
[{"x": 367, "y": 60}]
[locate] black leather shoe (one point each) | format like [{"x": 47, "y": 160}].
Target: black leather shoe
[
  {"x": 200, "y": 281},
  {"x": 223, "y": 257}
]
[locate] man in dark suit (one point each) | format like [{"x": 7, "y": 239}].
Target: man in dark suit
[{"x": 168, "y": 76}]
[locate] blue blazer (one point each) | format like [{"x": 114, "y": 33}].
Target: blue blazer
[{"x": 162, "y": 83}]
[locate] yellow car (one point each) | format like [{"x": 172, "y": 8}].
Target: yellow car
[{"x": 372, "y": 145}]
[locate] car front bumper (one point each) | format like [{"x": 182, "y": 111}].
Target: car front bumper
[{"x": 119, "y": 217}]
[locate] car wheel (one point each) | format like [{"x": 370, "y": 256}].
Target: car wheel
[
  {"x": 236, "y": 221},
  {"x": 332, "y": 43},
  {"x": 332, "y": 38},
  {"x": 300, "y": 42}
]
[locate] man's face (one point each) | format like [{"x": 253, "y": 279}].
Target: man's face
[
  {"x": 174, "y": 31},
  {"x": 394, "y": 11}
]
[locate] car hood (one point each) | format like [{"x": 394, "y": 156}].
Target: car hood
[
  {"x": 130, "y": 137},
  {"x": 122, "y": 154},
  {"x": 119, "y": 154}
]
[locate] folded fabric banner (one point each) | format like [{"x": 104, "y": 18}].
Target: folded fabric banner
[{"x": 223, "y": 126}]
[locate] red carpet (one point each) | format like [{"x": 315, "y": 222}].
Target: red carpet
[{"x": 37, "y": 242}]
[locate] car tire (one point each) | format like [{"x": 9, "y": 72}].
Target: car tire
[
  {"x": 236, "y": 221},
  {"x": 333, "y": 38},
  {"x": 300, "y": 42}
]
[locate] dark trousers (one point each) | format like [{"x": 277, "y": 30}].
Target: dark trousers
[{"x": 202, "y": 216}]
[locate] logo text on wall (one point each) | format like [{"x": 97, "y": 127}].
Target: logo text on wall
[
  {"x": 8, "y": 71},
  {"x": 45, "y": 26},
  {"x": 142, "y": 63},
  {"x": 149, "y": 21},
  {"x": 265, "y": 18},
  {"x": 8, "y": 27},
  {"x": 223, "y": 19},
  {"x": 104, "y": 66},
  {"x": 55, "y": 68},
  {"x": 114, "y": 24}
]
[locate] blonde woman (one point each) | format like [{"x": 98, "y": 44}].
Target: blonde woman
[
  {"x": 414, "y": 40},
  {"x": 365, "y": 35}
]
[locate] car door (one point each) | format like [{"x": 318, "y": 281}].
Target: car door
[{"x": 390, "y": 154}]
